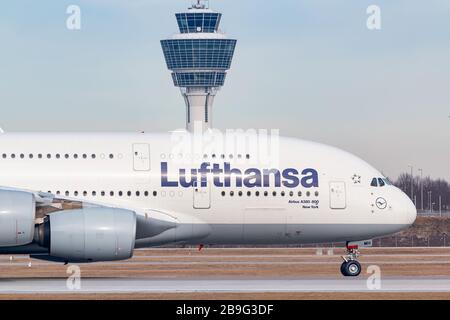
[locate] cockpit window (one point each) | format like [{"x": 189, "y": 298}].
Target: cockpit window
[
  {"x": 380, "y": 182},
  {"x": 374, "y": 182}
]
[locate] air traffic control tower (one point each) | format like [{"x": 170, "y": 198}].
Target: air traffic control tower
[{"x": 199, "y": 57}]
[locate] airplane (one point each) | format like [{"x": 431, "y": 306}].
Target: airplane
[{"x": 89, "y": 197}]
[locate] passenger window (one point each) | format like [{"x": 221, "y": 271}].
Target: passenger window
[
  {"x": 381, "y": 182},
  {"x": 374, "y": 182}
]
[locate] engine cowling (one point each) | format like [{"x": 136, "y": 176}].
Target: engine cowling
[
  {"x": 17, "y": 216},
  {"x": 89, "y": 234}
]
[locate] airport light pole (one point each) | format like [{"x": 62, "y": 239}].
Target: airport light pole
[
  {"x": 412, "y": 183},
  {"x": 421, "y": 188},
  {"x": 429, "y": 200}
]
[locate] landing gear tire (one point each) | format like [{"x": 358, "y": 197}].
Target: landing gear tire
[
  {"x": 351, "y": 268},
  {"x": 343, "y": 269}
]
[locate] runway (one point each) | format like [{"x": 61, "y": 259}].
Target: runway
[
  {"x": 243, "y": 263},
  {"x": 120, "y": 286},
  {"x": 233, "y": 274}
]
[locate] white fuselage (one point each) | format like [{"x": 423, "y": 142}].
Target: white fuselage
[{"x": 125, "y": 170}]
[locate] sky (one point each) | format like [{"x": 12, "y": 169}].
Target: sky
[{"x": 310, "y": 68}]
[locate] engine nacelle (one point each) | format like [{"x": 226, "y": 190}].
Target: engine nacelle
[
  {"x": 17, "y": 216},
  {"x": 89, "y": 235}
]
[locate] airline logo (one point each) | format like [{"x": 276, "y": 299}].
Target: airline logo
[{"x": 224, "y": 176}]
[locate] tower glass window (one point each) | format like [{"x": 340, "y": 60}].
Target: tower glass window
[
  {"x": 206, "y": 22},
  {"x": 198, "y": 53}
]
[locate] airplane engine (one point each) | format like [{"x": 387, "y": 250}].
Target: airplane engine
[
  {"x": 17, "y": 216},
  {"x": 89, "y": 234}
]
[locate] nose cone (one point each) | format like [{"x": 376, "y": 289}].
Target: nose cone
[{"x": 410, "y": 211}]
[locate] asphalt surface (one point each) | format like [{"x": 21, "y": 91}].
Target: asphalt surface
[
  {"x": 217, "y": 272},
  {"x": 120, "y": 285}
]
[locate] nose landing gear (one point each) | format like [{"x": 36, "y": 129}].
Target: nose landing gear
[{"x": 351, "y": 267}]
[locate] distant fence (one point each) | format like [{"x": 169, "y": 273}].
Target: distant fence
[
  {"x": 405, "y": 242},
  {"x": 432, "y": 241},
  {"x": 443, "y": 213},
  {"x": 394, "y": 241},
  {"x": 391, "y": 242}
]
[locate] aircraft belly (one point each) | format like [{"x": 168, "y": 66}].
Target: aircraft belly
[
  {"x": 308, "y": 233},
  {"x": 265, "y": 234}
]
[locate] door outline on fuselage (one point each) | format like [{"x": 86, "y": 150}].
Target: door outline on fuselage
[
  {"x": 338, "y": 195},
  {"x": 141, "y": 157},
  {"x": 201, "y": 197}
]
